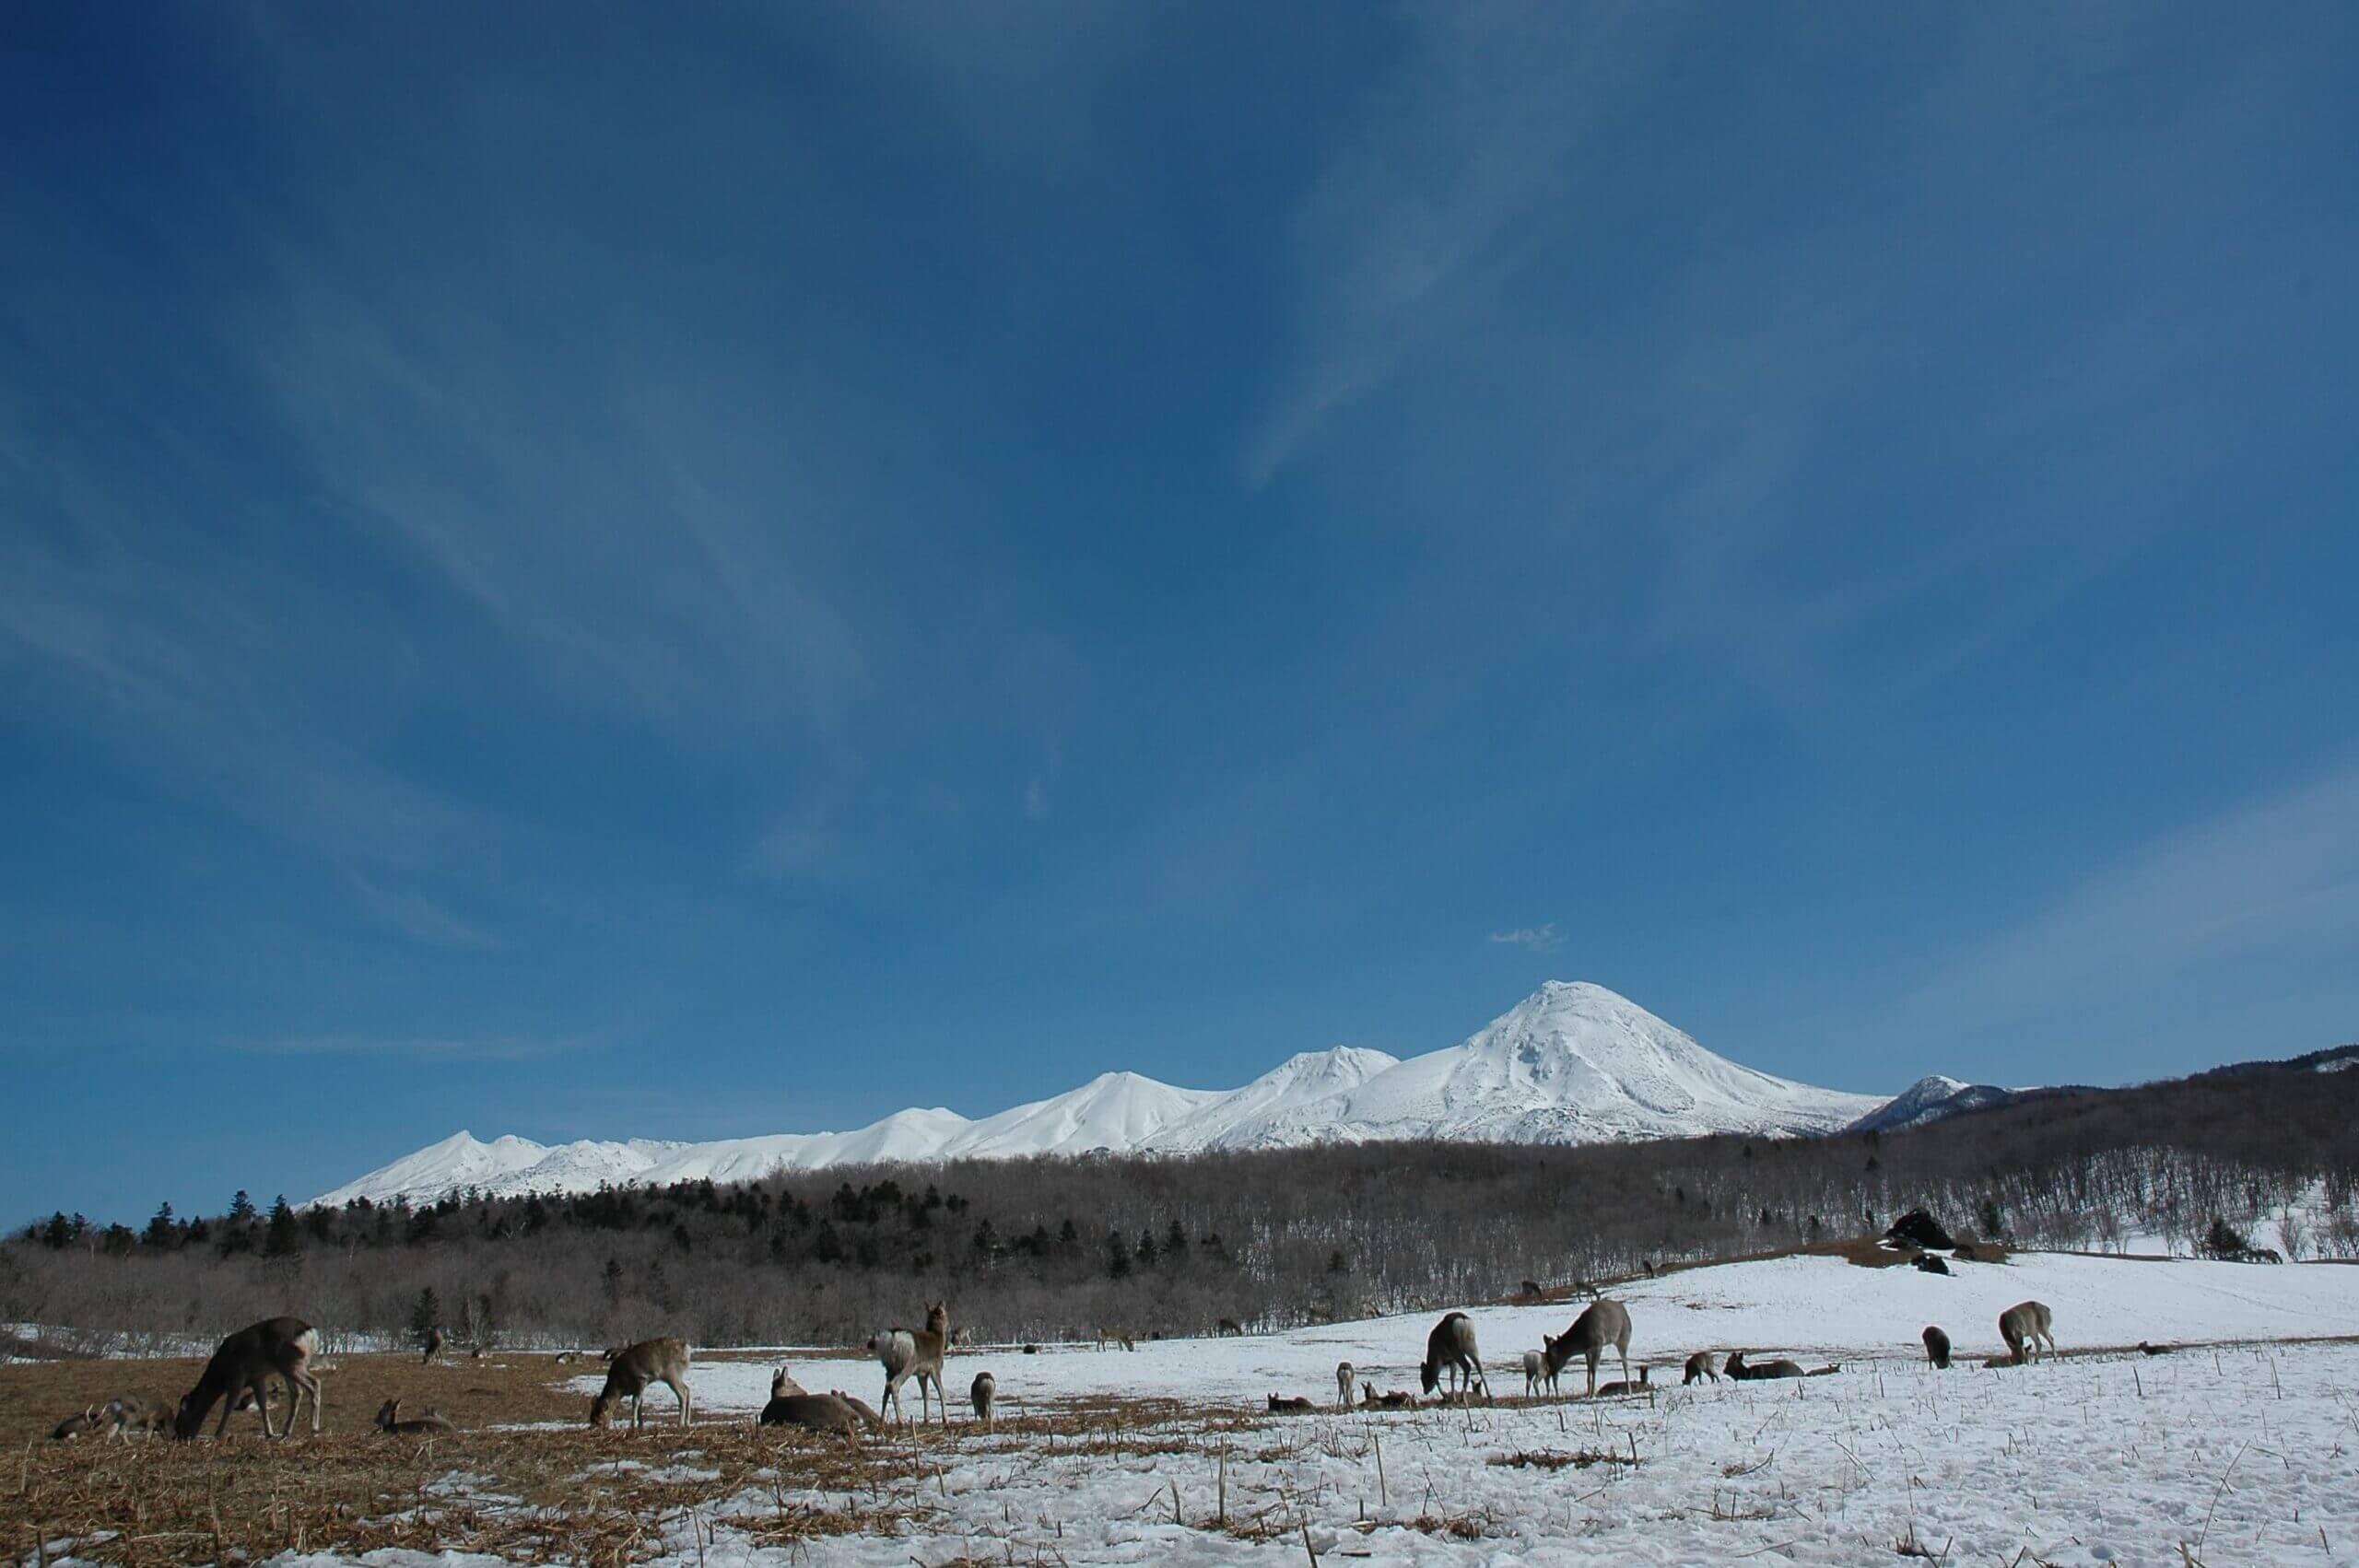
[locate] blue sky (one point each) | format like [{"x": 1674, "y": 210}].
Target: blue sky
[{"x": 592, "y": 571}]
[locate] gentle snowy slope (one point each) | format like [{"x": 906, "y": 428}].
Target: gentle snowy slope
[{"x": 1573, "y": 1064}]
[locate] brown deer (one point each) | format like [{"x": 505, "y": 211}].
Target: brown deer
[
  {"x": 282, "y": 1346},
  {"x": 1603, "y": 1323},
  {"x": 131, "y": 1413},
  {"x": 1114, "y": 1333},
  {"x": 1451, "y": 1347},
  {"x": 1531, "y": 1290},
  {"x": 2024, "y": 1326},
  {"x": 89, "y": 1423},
  {"x": 1398, "y": 1399},
  {"x": 631, "y": 1372},
  {"x": 432, "y": 1424},
  {"x": 1937, "y": 1348},
  {"x": 790, "y": 1406},
  {"x": 1536, "y": 1375},
  {"x": 1699, "y": 1367},
  {"x": 433, "y": 1346},
  {"x": 982, "y": 1393},
  {"x": 1228, "y": 1326},
  {"x": 1626, "y": 1386},
  {"x": 1343, "y": 1385},
  {"x": 1743, "y": 1371},
  {"x": 1294, "y": 1407},
  {"x": 915, "y": 1352}
]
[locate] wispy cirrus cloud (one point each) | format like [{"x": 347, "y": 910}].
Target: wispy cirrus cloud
[
  {"x": 2274, "y": 879},
  {"x": 1532, "y": 939}
]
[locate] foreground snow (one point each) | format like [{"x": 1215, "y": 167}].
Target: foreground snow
[{"x": 2245, "y": 1453}]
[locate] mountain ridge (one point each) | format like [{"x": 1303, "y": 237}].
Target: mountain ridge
[{"x": 1572, "y": 1063}]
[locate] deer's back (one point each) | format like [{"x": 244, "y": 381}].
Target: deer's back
[{"x": 649, "y": 1360}]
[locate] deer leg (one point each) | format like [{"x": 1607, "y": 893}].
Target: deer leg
[
  {"x": 682, "y": 1390},
  {"x": 313, "y": 1385}
]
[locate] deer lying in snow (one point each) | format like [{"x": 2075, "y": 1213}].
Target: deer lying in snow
[
  {"x": 2024, "y": 1326},
  {"x": 1294, "y": 1407},
  {"x": 790, "y": 1405},
  {"x": 389, "y": 1420},
  {"x": 631, "y": 1372},
  {"x": 1743, "y": 1371},
  {"x": 1451, "y": 1347},
  {"x": 1606, "y": 1322},
  {"x": 1626, "y": 1386},
  {"x": 1398, "y": 1399},
  {"x": 279, "y": 1346},
  {"x": 1699, "y": 1367},
  {"x": 1937, "y": 1348}
]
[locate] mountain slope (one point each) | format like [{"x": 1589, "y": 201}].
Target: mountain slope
[{"x": 1572, "y": 1063}]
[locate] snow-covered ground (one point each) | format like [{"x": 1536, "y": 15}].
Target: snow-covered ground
[{"x": 2244, "y": 1453}]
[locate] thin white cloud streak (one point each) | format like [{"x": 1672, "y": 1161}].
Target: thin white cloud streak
[
  {"x": 420, "y": 918},
  {"x": 1532, "y": 939},
  {"x": 1456, "y": 174},
  {"x": 2276, "y": 879}
]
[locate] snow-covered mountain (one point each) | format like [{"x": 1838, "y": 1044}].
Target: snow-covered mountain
[{"x": 1572, "y": 1063}]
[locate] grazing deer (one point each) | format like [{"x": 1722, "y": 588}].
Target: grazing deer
[
  {"x": 1626, "y": 1386},
  {"x": 1398, "y": 1399},
  {"x": 433, "y": 1346},
  {"x": 2155, "y": 1349},
  {"x": 1344, "y": 1383},
  {"x": 86, "y": 1424},
  {"x": 1451, "y": 1346},
  {"x": 915, "y": 1352},
  {"x": 567, "y": 1358},
  {"x": 2024, "y": 1326},
  {"x": 131, "y": 1413},
  {"x": 279, "y": 1345},
  {"x": 632, "y": 1372},
  {"x": 389, "y": 1420},
  {"x": 1699, "y": 1367},
  {"x": 963, "y": 1339},
  {"x": 1294, "y": 1407},
  {"x": 1228, "y": 1326},
  {"x": 1531, "y": 1290},
  {"x": 1937, "y": 1348},
  {"x": 1114, "y": 1333},
  {"x": 1603, "y": 1323},
  {"x": 790, "y": 1406},
  {"x": 982, "y": 1392}
]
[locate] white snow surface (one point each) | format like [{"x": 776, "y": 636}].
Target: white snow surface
[
  {"x": 2243, "y": 1454},
  {"x": 1572, "y": 1063}
]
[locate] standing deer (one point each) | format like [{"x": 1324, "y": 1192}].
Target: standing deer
[
  {"x": 1116, "y": 1334},
  {"x": 982, "y": 1392},
  {"x": 906, "y": 1353},
  {"x": 1603, "y": 1323},
  {"x": 389, "y": 1420},
  {"x": 131, "y": 1413},
  {"x": 279, "y": 1345},
  {"x": 632, "y": 1372},
  {"x": 2024, "y": 1326},
  {"x": 1699, "y": 1367},
  {"x": 433, "y": 1346},
  {"x": 1535, "y": 1372},
  {"x": 1937, "y": 1348},
  {"x": 1343, "y": 1385},
  {"x": 1450, "y": 1346},
  {"x": 1228, "y": 1326}
]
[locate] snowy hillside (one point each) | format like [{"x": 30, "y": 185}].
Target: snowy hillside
[{"x": 1572, "y": 1063}]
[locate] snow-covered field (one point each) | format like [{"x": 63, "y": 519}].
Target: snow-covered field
[{"x": 2244, "y": 1453}]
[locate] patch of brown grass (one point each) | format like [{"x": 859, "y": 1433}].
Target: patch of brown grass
[{"x": 1556, "y": 1459}]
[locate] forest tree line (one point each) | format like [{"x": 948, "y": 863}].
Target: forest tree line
[{"x": 1048, "y": 1248}]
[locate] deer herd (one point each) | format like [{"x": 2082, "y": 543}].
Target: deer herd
[{"x": 280, "y": 1350}]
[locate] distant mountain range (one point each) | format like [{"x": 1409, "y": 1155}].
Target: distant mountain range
[{"x": 1571, "y": 1063}]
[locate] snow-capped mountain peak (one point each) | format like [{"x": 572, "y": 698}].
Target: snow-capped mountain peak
[{"x": 1572, "y": 1063}]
